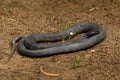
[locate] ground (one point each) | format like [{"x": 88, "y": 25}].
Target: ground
[{"x": 24, "y": 17}]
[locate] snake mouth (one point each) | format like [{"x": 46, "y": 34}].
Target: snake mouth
[{"x": 14, "y": 45}]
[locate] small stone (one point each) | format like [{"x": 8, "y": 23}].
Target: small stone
[
  {"x": 71, "y": 33},
  {"x": 93, "y": 51},
  {"x": 92, "y": 9}
]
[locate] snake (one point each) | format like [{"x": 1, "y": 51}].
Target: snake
[{"x": 47, "y": 44}]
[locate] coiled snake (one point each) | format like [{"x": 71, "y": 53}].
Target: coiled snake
[{"x": 32, "y": 45}]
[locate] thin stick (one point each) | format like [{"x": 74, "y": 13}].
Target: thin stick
[{"x": 48, "y": 74}]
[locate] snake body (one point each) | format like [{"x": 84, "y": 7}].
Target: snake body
[{"x": 32, "y": 45}]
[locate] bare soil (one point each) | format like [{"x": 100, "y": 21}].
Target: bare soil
[{"x": 24, "y": 17}]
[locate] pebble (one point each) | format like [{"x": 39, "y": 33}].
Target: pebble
[
  {"x": 71, "y": 33},
  {"x": 93, "y": 51},
  {"x": 92, "y": 9}
]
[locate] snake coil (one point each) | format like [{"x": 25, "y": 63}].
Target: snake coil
[{"x": 32, "y": 45}]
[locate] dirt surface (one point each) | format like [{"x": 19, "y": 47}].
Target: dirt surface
[{"x": 24, "y": 17}]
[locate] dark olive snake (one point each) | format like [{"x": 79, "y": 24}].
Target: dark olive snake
[{"x": 32, "y": 45}]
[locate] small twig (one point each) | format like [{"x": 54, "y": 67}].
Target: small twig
[{"x": 48, "y": 74}]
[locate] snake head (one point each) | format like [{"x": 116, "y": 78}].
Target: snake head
[{"x": 13, "y": 45}]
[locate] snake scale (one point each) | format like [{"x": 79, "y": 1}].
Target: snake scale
[{"x": 32, "y": 45}]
